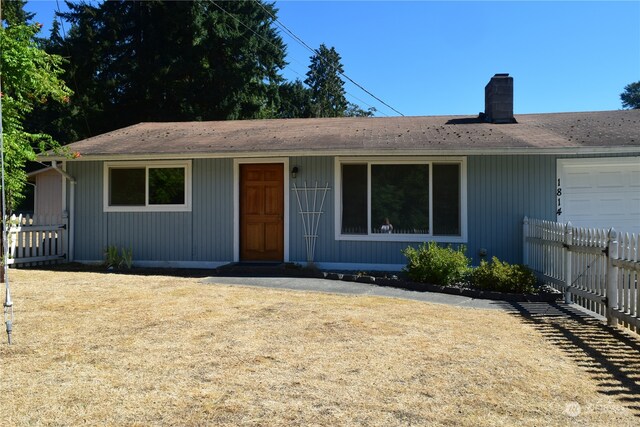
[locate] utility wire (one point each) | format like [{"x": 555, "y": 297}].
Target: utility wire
[
  {"x": 315, "y": 52},
  {"x": 296, "y": 72}
]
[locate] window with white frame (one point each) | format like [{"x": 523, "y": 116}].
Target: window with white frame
[
  {"x": 401, "y": 200},
  {"x": 148, "y": 186}
]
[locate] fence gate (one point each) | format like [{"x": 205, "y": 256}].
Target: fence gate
[{"x": 37, "y": 240}]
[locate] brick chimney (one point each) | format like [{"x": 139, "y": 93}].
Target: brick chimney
[{"x": 498, "y": 99}]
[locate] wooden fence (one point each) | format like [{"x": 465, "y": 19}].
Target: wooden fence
[
  {"x": 36, "y": 240},
  {"x": 595, "y": 268}
]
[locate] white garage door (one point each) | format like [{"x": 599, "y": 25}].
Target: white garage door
[{"x": 600, "y": 193}]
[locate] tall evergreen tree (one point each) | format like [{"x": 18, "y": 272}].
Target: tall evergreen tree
[
  {"x": 13, "y": 12},
  {"x": 631, "y": 96},
  {"x": 294, "y": 101},
  {"x": 135, "y": 61},
  {"x": 327, "y": 87}
]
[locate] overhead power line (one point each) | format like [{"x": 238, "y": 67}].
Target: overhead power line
[
  {"x": 271, "y": 43},
  {"x": 315, "y": 52}
]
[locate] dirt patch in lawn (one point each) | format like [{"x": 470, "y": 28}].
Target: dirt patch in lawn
[{"x": 94, "y": 348}]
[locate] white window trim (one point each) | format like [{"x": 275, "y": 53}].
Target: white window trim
[
  {"x": 186, "y": 207},
  {"x": 381, "y": 237}
]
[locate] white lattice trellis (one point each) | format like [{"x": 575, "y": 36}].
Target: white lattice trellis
[{"x": 311, "y": 213}]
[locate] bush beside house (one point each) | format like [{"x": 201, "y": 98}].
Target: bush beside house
[{"x": 446, "y": 266}]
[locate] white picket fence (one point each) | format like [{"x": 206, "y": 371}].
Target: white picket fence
[
  {"x": 595, "y": 268},
  {"x": 36, "y": 240}
]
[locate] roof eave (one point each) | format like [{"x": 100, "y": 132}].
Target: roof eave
[{"x": 354, "y": 152}]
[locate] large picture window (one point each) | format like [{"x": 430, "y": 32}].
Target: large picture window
[
  {"x": 153, "y": 186},
  {"x": 400, "y": 200}
]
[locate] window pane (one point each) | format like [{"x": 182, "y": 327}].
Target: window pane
[
  {"x": 446, "y": 200},
  {"x": 354, "y": 199},
  {"x": 400, "y": 194},
  {"x": 166, "y": 186},
  {"x": 126, "y": 187}
]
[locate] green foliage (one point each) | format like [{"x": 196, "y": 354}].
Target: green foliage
[
  {"x": 118, "y": 259},
  {"x": 294, "y": 101},
  {"x": 430, "y": 263},
  {"x": 142, "y": 61},
  {"x": 13, "y": 12},
  {"x": 327, "y": 87},
  {"x": 354, "y": 110},
  {"x": 112, "y": 258},
  {"x": 326, "y": 94},
  {"x": 30, "y": 77},
  {"x": 631, "y": 96},
  {"x": 154, "y": 61},
  {"x": 126, "y": 260},
  {"x": 503, "y": 277}
]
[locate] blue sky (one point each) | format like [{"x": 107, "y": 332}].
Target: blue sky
[{"x": 434, "y": 58}]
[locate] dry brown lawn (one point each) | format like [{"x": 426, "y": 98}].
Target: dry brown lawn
[{"x": 110, "y": 349}]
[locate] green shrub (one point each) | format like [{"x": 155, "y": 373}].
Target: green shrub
[
  {"x": 430, "y": 263},
  {"x": 113, "y": 259},
  {"x": 127, "y": 258},
  {"x": 503, "y": 277}
]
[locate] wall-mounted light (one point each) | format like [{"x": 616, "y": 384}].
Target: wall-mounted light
[{"x": 294, "y": 171}]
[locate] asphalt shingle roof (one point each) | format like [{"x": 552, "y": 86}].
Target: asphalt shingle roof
[{"x": 589, "y": 130}]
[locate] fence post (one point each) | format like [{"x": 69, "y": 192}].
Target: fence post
[
  {"x": 611, "y": 281},
  {"x": 64, "y": 236},
  {"x": 568, "y": 240},
  {"x": 525, "y": 244}
]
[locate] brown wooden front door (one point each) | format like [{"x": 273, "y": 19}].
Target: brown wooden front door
[{"x": 262, "y": 212}]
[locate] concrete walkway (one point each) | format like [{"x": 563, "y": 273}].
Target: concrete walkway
[{"x": 355, "y": 288}]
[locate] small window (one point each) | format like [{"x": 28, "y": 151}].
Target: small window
[
  {"x": 131, "y": 186},
  {"x": 166, "y": 186},
  {"x": 126, "y": 187}
]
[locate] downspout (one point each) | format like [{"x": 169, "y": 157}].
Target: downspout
[{"x": 72, "y": 200}]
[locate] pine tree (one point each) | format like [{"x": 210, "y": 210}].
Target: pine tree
[
  {"x": 327, "y": 87},
  {"x": 631, "y": 96},
  {"x": 135, "y": 61},
  {"x": 13, "y": 12},
  {"x": 294, "y": 101}
]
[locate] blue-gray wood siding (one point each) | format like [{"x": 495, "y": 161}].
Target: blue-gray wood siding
[
  {"x": 204, "y": 234},
  {"x": 501, "y": 190},
  {"x": 212, "y": 210},
  {"x": 90, "y": 223}
]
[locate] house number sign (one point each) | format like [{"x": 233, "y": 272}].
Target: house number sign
[{"x": 558, "y": 196}]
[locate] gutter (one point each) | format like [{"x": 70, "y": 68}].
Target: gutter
[
  {"x": 72, "y": 199},
  {"x": 559, "y": 151}
]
